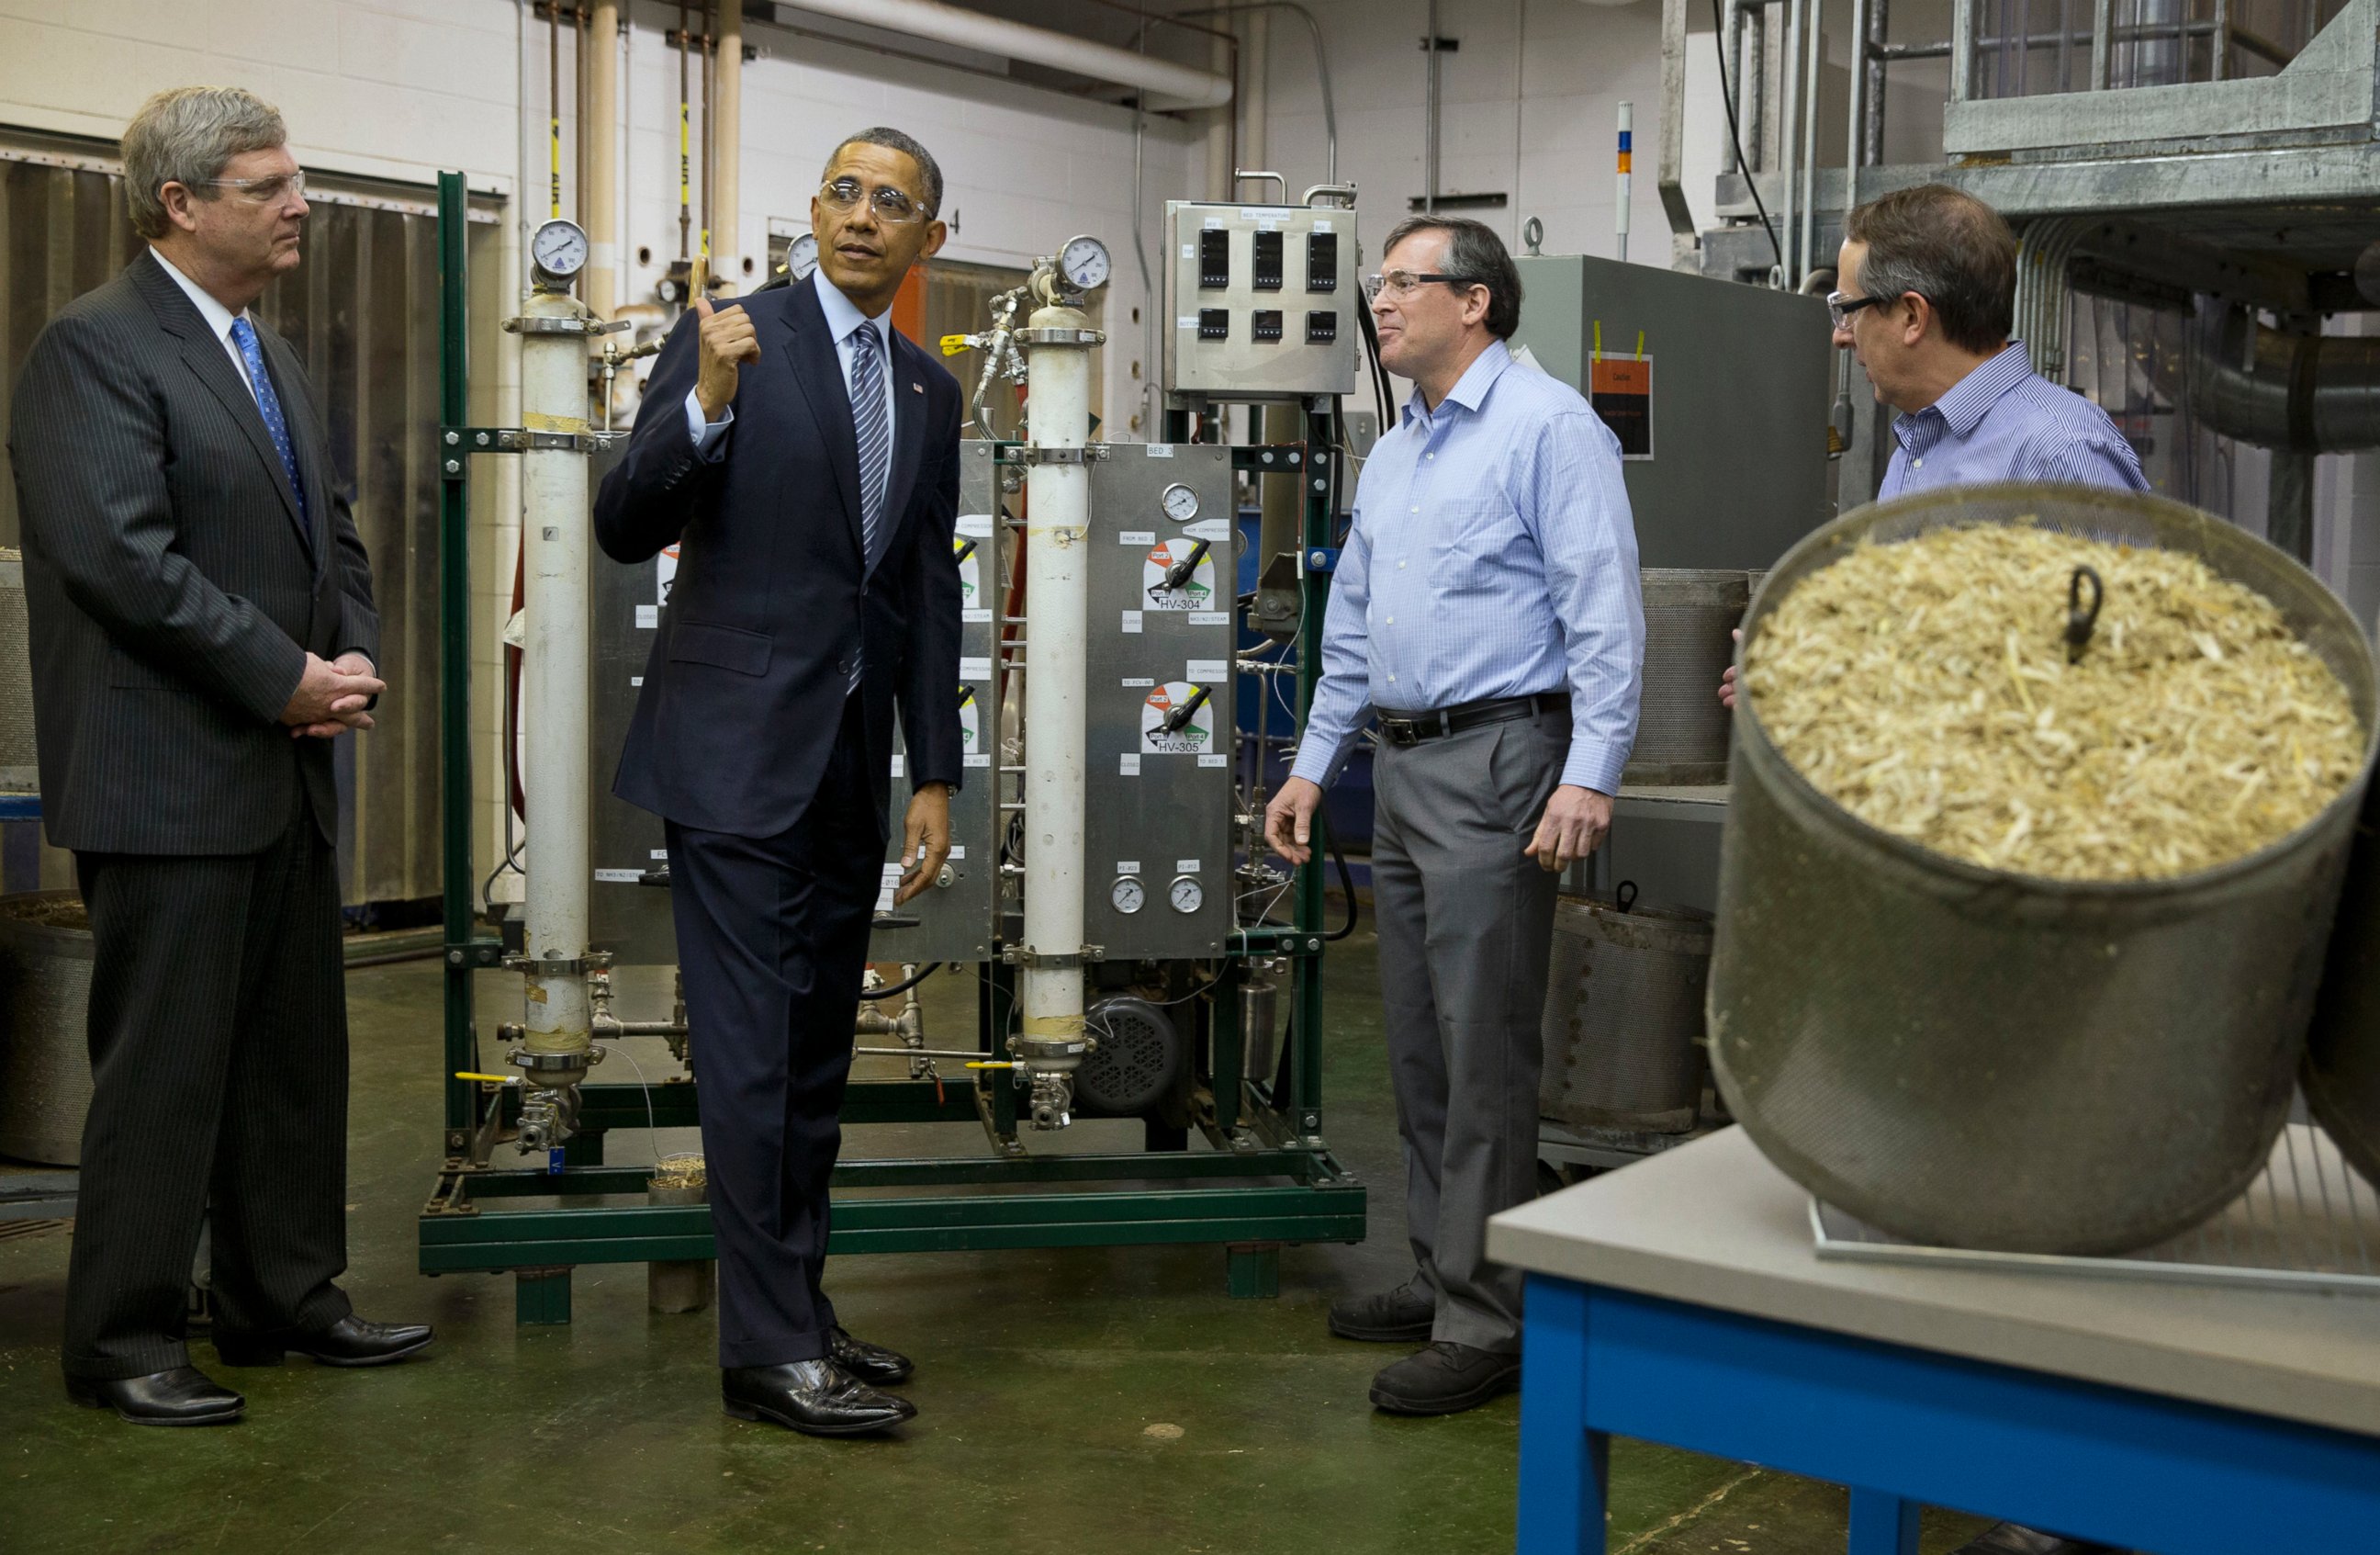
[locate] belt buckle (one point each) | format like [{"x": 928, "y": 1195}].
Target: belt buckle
[{"x": 1401, "y": 731}]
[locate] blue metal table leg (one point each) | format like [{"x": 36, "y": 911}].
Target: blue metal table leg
[
  {"x": 1882, "y": 1523},
  {"x": 1565, "y": 1468}
]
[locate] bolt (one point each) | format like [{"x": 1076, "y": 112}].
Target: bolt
[
  {"x": 455, "y": 958},
  {"x": 1267, "y": 455},
  {"x": 453, "y": 438},
  {"x": 483, "y": 440},
  {"x": 1319, "y": 486},
  {"x": 454, "y": 467},
  {"x": 1313, "y": 1120},
  {"x": 1317, "y": 558},
  {"x": 1314, "y": 944}
]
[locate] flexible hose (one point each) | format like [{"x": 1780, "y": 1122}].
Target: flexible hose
[
  {"x": 871, "y": 995},
  {"x": 1347, "y": 884}
]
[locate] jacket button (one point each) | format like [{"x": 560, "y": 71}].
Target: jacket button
[{"x": 844, "y": 665}]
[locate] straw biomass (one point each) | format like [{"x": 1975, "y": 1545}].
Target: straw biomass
[{"x": 1924, "y": 685}]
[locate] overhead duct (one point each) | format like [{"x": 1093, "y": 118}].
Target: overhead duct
[
  {"x": 1169, "y": 85},
  {"x": 2317, "y": 393}
]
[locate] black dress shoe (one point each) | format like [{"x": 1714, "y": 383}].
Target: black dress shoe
[
  {"x": 818, "y": 1398},
  {"x": 1445, "y": 1379},
  {"x": 1400, "y": 1317},
  {"x": 184, "y": 1396},
  {"x": 352, "y": 1341},
  {"x": 871, "y": 1363}
]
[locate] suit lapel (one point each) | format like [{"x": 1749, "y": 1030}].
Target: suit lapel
[
  {"x": 209, "y": 359},
  {"x": 818, "y": 379},
  {"x": 908, "y": 432}
]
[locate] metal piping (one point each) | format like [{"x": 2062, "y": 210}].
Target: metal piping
[
  {"x": 599, "y": 201},
  {"x": 1788, "y": 147},
  {"x": 1429, "y": 114},
  {"x": 1813, "y": 43},
  {"x": 2312, "y": 394},
  {"x": 1176, "y": 86},
  {"x": 1321, "y": 68},
  {"x": 722, "y": 120}
]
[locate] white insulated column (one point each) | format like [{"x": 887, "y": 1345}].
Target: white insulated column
[
  {"x": 1057, "y": 528},
  {"x": 553, "y": 686}
]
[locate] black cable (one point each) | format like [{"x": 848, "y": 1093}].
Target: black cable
[
  {"x": 869, "y": 995},
  {"x": 1735, "y": 136},
  {"x": 1381, "y": 395},
  {"x": 1347, "y": 884}
]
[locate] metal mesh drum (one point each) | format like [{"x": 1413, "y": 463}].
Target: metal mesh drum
[
  {"x": 17, "y": 769},
  {"x": 1623, "y": 1019},
  {"x": 1682, "y": 729},
  {"x": 1967, "y": 1057},
  {"x": 45, "y": 1050}
]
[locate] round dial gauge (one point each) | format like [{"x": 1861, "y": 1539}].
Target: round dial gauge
[
  {"x": 1186, "y": 895},
  {"x": 1181, "y": 502},
  {"x": 559, "y": 251},
  {"x": 801, "y": 256},
  {"x": 1128, "y": 895},
  {"x": 1085, "y": 263}
]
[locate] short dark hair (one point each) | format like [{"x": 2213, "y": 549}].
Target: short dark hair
[
  {"x": 1476, "y": 253},
  {"x": 896, "y": 140},
  {"x": 1948, "y": 248}
]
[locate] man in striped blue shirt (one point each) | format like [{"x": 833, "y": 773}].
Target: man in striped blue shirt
[
  {"x": 1928, "y": 297},
  {"x": 1486, "y": 607}
]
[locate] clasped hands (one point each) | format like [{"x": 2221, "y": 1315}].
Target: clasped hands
[{"x": 331, "y": 698}]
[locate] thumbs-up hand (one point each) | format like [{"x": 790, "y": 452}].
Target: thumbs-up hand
[{"x": 724, "y": 344}]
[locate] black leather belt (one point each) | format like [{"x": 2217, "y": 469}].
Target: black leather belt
[{"x": 1411, "y": 728}]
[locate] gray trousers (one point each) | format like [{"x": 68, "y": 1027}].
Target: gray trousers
[{"x": 1466, "y": 921}]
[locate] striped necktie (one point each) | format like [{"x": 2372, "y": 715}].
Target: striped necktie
[
  {"x": 873, "y": 425},
  {"x": 243, "y": 335}
]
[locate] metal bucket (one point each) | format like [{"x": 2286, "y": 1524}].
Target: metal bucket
[
  {"x": 45, "y": 1045},
  {"x": 1982, "y": 1059},
  {"x": 1682, "y": 729},
  {"x": 17, "y": 774},
  {"x": 1623, "y": 1018}
]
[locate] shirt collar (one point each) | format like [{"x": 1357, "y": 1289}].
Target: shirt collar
[
  {"x": 1971, "y": 397},
  {"x": 1470, "y": 390},
  {"x": 843, "y": 315},
  {"x": 219, "y": 318}
]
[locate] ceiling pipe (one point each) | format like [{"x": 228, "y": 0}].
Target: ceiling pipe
[
  {"x": 1169, "y": 86},
  {"x": 2309, "y": 393}
]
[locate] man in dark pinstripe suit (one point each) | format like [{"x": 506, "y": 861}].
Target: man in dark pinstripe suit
[{"x": 202, "y": 627}]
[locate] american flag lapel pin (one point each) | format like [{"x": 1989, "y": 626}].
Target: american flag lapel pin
[{"x": 915, "y": 388}]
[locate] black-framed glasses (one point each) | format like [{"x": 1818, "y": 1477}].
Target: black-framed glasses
[
  {"x": 264, "y": 191},
  {"x": 890, "y": 205},
  {"x": 1404, "y": 283},
  {"x": 1841, "y": 308}
]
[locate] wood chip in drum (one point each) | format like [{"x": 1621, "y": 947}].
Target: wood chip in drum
[{"x": 1924, "y": 686}]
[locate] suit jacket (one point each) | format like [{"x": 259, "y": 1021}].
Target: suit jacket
[
  {"x": 745, "y": 690},
  {"x": 170, "y": 589}
]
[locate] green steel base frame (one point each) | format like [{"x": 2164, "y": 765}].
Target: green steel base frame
[{"x": 1268, "y": 1179}]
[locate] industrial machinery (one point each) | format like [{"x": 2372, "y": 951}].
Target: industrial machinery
[{"x": 1107, "y": 887}]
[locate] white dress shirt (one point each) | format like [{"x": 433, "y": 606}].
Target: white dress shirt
[
  {"x": 844, "y": 320},
  {"x": 219, "y": 318}
]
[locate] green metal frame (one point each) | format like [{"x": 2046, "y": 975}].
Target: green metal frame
[{"x": 1269, "y": 1180}]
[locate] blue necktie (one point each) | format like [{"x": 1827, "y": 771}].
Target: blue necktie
[
  {"x": 873, "y": 424},
  {"x": 243, "y": 335}
]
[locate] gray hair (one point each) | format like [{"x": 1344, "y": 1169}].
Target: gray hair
[
  {"x": 1477, "y": 254},
  {"x": 896, "y": 140},
  {"x": 188, "y": 135}
]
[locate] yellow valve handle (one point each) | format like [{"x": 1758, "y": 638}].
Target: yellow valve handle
[
  {"x": 953, "y": 344},
  {"x": 992, "y": 1066},
  {"x": 489, "y": 1079}
]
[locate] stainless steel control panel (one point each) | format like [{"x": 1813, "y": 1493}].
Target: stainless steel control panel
[
  {"x": 956, "y": 914},
  {"x": 1261, "y": 301},
  {"x": 1163, "y": 590}
]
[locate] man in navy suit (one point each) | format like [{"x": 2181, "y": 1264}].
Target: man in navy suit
[{"x": 804, "y": 456}]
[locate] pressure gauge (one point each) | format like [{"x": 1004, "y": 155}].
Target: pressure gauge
[
  {"x": 557, "y": 252},
  {"x": 1181, "y": 502},
  {"x": 1186, "y": 895},
  {"x": 1128, "y": 895},
  {"x": 1084, "y": 263},
  {"x": 801, "y": 256}
]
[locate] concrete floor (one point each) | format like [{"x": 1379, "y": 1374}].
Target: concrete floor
[{"x": 1115, "y": 1401}]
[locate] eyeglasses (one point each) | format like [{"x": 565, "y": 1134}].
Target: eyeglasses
[
  {"x": 890, "y": 205},
  {"x": 1841, "y": 308},
  {"x": 1404, "y": 283},
  {"x": 264, "y": 191}
]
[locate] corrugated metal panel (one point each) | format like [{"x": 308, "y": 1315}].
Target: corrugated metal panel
[{"x": 361, "y": 311}]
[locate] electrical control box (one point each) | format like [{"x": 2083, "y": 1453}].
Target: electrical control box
[
  {"x": 1164, "y": 583},
  {"x": 956, "y": 914},
  {"x": 1262, "y": 300}
]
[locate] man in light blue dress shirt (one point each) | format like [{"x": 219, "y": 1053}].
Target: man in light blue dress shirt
[{"x": 1486, "y": 607}]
